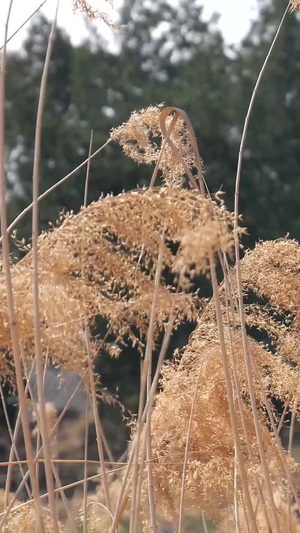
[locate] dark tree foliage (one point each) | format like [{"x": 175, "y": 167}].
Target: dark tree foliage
[{"x": 162, "y": 58}]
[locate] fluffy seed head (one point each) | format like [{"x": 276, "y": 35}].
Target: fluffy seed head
[{"x": 295, "y": 5}]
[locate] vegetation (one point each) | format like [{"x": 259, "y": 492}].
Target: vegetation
[{"x": 125, "y": 272}]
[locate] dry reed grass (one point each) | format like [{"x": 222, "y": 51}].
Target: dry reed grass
[
  {"x": 272, "y": 272},
  {"x": 90, "y": 266},
  {"x": 211, "y": 443},
  {"x": 103, "y": 262}
]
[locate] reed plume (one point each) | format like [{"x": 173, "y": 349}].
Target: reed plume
[{"x": 271, "y": 272}]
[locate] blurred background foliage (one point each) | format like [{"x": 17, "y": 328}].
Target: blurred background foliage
[
  {"x": 171, "y": 55},
  {"x": 165, "y": 54}
]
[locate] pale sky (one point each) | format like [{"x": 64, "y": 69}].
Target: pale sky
[{"x": 234, "y": 21}]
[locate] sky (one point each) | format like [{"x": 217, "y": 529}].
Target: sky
[{"x": 235, "y": 17}]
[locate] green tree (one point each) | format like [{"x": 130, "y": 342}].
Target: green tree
[{"x": 271, "y": 169}]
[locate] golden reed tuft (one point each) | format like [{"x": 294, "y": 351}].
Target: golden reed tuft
[
  {"x": 24, "y": 520},
  {"x": 102, "y": 262},
  {"x": 271, "y": 272}
]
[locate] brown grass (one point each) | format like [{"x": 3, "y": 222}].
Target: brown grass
[{"x": 210, "y": 441}]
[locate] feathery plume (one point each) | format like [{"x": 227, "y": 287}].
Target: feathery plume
[{"x": 82, "y": 6}]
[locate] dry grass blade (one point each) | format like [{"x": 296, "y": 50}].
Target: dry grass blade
[
  {"x": 140, "y": 453},
  {"x": 239, "y": 282},
  {"x": 185, "y": 461},
  {"x": 86, "y": 188},
  {"x": 65, "y": 487},
  {"x": 53, "y": 187},
  {"x": 23, "y": 24},
  {"x": 98, "y": 425},
  {"x": 35, "y": 280},
  {"x": 13, "y": 447},
  {"x": 9, "y": 289}
]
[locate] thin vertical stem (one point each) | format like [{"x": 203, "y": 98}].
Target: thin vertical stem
[
  {"x": 9, "y": 292},
  {"x": 288, "y": 472},
  {"x": 16, "y": 493},
  {"x": 204, "y": 524},
  {"x": 186, "y": 452},
  {"x": 86, "y": 439},
  {"x": 149, "y": 459},
  {"x": 230, "y": 399},
  {"x": 239, "y": 283},
  {"x": 291, "y": 437},
  {"x": 236, "y": 490},
  {"x": 86, "y": 188},
  {"x": 35, "y": 281},
  {"x": 148, "y": 354},
  {"x": 228, "y": 295},
  {"x": 99, "y": 431},
  {"x": 13, "y": 443},
  {"x": 11, "y": 453},
  {"x": 291, "y": 432},
  {"x": 148, "y": 407}
]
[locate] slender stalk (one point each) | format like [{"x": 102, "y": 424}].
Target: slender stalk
[
  {"x": 247, "y": 118},
  {"x": 163, "y": 147},
  {"x": 290, "y": 449},
  {"x": 12, "y": 450},
  {"x": 230, "y": 399},
  {"x": 186, "y": 452},
  {"x": 86, "y": 439},
  {"x": 16, "y": 493},
  {"x": 204, "y": 524},
  {"x": 72, "y": 526},
  {"x": 86, "y": 188},
  {"x": 148, "y": 407},
  {"x": 280, "y": 425},
  {"x": 61, "y": 461},
  {"x": 149, "y": 459},
  {"x": 239, "y": 282},
  {"x": 13, "y": 444},
  {"x": 53, "y": 466},
  {"x": 236, "y": 490},
  {"x": 9, "y": 292},
  {"x": 52, "y": 188},
  {"x": 291, "y": 431},
  {"x": 64, "y": 488},
  {"x": 148, "y": 355},
  {"x": 229, "y": 296}
]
